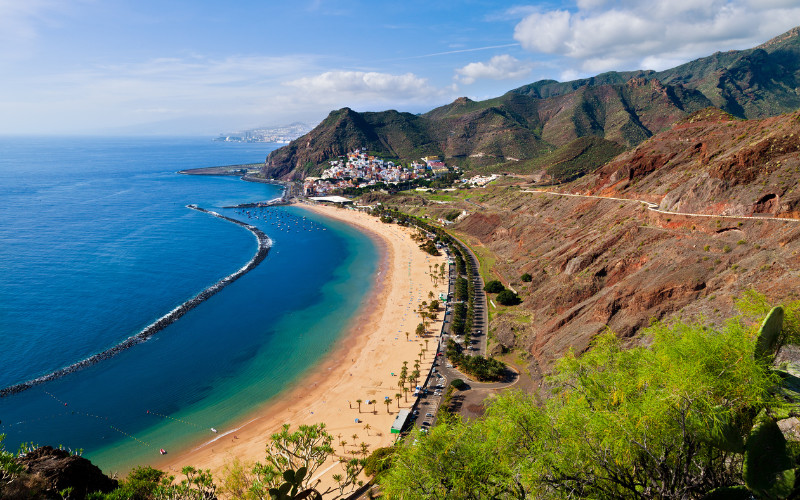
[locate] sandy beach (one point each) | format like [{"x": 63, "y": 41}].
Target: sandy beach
[{"x": 364, "y": 366}]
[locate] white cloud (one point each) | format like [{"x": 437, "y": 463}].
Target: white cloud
[
  {"x": 361, "y": 84},
  {"x": 607, "y": 35},
  {"x": 544, "y": 32},
  {"x": 569, "y": 75},
  {"x": 503, "y": 67}
]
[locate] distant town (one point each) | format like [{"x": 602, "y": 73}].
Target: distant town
[
  {"x": 281, "y": 135},
  {"x": 360, "y": 170}
]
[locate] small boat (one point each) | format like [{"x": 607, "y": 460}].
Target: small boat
[
  {"x": 213, "y": 430},
  {"x": 163, "y": 451}
]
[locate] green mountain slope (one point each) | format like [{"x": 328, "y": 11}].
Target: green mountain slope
[{"x": 530, "y": 124}]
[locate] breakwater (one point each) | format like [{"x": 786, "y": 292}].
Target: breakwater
[
  {"x": 264, "y": 244},
  {"x": 283, "y": 199}
]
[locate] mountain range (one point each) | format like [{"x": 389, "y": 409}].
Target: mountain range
[{"x": 563, "y": 129}]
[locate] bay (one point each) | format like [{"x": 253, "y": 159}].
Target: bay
[{"x": 96, "y": 243}]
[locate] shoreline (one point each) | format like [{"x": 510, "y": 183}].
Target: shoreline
[
  {"x": 360, "y": 367},
  {"x": 264, "y": 244}
]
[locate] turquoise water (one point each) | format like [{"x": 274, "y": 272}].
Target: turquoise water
[{"x": 96, "y": 243}]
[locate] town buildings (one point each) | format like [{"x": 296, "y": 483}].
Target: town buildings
[{"x": 359, "y": 170}]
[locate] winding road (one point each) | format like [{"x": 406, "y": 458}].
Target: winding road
[{"x": 654, "y": 207}]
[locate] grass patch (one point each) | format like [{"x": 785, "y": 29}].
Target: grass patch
[{"x": 486, "y": 259}]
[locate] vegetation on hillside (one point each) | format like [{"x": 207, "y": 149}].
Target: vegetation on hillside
[{"x": 670, "y": 420}]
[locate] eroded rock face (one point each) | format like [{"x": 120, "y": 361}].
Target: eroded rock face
[
  {"x": 61, "y": 470},
  {"x": 710, "y": 163},
  {"x": 610, "y": 264}
]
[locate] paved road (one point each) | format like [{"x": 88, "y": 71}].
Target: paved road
[
  {"x": 480, "y": 324},
  {"x": 424, "y": 411}
]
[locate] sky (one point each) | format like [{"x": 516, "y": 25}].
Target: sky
[{"x": 175, "y": 67}]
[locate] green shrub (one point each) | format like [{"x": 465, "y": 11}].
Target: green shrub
[
  {"x": 379, "y": 461},
  {"x": 617, "y": 419},
  {"x": 494, "y": 286},
  {"x": 508, "y": 298},
  {"x": 527, "y": 278}
]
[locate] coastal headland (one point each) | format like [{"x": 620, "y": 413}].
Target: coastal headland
[
  {"x": 264, "y": 244},
  {"x": 363, "y": 367}
]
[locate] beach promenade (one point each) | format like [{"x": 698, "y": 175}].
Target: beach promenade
[{"x": 364, "y": 366}]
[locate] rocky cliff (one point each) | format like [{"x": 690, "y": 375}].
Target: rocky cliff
[{"x": 49, "y": 473}]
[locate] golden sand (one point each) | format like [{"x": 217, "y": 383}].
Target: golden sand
[{"x": 364, "y": 366}]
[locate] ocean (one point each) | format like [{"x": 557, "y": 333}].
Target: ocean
[{"x": 96, "y": 243}]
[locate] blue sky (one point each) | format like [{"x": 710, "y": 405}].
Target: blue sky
[{"x": 201, "y": 68}]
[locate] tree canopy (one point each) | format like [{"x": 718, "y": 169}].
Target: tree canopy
[
  {"x": 508, "y": 298},
  {"x": 494, "y": 286}
]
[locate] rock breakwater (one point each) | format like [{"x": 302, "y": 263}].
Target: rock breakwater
[{"x": 264, "y": 244}]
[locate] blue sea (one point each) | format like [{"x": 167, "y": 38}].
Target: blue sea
[{"x": 96, "y": 243}]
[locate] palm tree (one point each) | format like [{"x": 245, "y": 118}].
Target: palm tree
[
  {"x": 364, "y": 449},
  {"x": 343, "y": 443},
  {"x": 424, "y": 315},
  {"x": 359, "y": 405},
  {"x": 407, "y": 334},
  {"x": 426, "y": 343},
  {"x": 405, "y": 392},
  {"x": 355, "y": 437},
  {"x": 421, "y": 311},
  {"x": 397, "y": 397},
  {"x": 374, "y": 402},
  {"x": 431, "y": 295},
  {"x": 387, "y": 402},
  {"x": 367, "y": 428}
]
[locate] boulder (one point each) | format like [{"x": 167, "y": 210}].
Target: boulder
[{"x": 61, "y": 470}]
